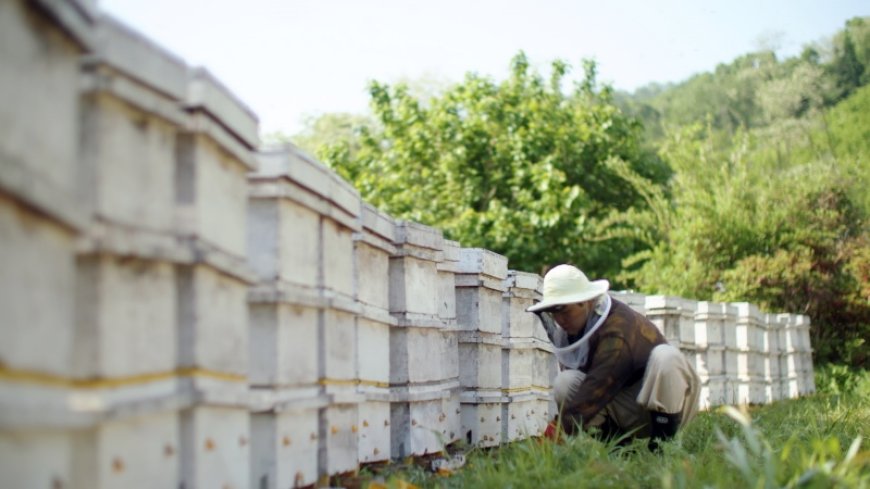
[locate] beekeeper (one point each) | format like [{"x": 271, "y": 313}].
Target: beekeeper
[{"x": 618, "y": 373}]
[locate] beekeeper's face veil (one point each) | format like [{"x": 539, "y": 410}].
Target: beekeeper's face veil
[{"x": 564, "y": 285}]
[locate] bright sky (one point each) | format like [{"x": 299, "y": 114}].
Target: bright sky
[{"x": 290, "y": 58}]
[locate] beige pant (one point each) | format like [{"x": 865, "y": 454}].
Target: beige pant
[{"x": 669, "y": 385}]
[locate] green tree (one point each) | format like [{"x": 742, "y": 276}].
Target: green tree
[
  {"x": 847, "y": 68},
  {"x": 515, "y": 166},
  {"x": 742, "y": 226}
]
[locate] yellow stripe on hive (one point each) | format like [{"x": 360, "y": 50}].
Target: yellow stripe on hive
[
  {"x": 325, "y": 381},
  {"x": 525, "y": 389},
  {"x": 50, "y": 380}
]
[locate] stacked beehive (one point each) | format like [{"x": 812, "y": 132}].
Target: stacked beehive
[
  {"x": 479, "y": 290},
  {"x": 734, "y": 357},
  {"x": 373, "y": 248},
  {"x": 39, "y": 222},
  {"x": 771, "y": 387},
  {"x": 132, "y": 371},
  {"x": 747, "y": 383},
  {"x": 807, "y": 384},
  {"x": 447, "y": 270},
  {"x": 675, "y": 318},
  {"x": 214, "y": 153},
  {"x": 126, "y": 283},
  {"x": 423, "y": 348},
  {"x": 303, "y": 320},
  {"x": 795, "y": 359},
  {"x": 528, "y": 363},
  {"x": 710, "y": 365}
]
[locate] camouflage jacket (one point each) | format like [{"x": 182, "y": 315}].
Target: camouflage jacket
[{"x": 619, "y": 351}]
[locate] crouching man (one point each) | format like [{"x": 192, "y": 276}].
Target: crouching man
[{"x": 618, "y": 372}]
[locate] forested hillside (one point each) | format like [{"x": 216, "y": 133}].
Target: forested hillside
[{"x": 747, "y": 183}]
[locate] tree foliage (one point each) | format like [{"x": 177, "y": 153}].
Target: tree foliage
[
  {"x": 515, "y": 166},
  {"x": 742, "y": 225}
]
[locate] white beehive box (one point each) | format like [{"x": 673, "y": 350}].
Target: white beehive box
[
  {"x": 738, "y": 364},
  {"x": 424, "y": 420},
  {"x": 420, "y": 355},
  {"x": 338, "y": 259},
  {"x": 135, "y": 452},
  {"x": 759, "y": 392},
  {"x": 478, "y": 308},
  {"x": 712, "y": 393},
  {"x": 675, "y": 318},
  {"x": 215, "y": 447},
  {"x": 698, "y": 360},
  {"x": 714, "y": 360},
  {"x": 374, "y": 431},
  {"x": 775, "y": 389},
  {"x": 480, "y": 360},
  {"x": 339, "y": 346},
  {"x": 634, "y": 300},
  {"x": 374, "y": 373},
  {"x": 748, "y": 326},
  {"x": 742, "y": 391},
  {"x": 43, "y": 44},
  {"x": 132, "y": 91},
  {"x": 125, "y": 317},
  {"x": 479, "y": 290},
  {"x": 284, "y": 448},
  {"x": 729, "y": 327},
  {"x": 138, "y": 452},
  {"x": 518, "y": 363},
  {"x": 414, "y": 277},
  {"x": 773, "y": 326},
  {"x": 802, "y": 332},
  {"x": 783, "y": 341},
  {"x": 447, "y": 270},
  {"x": 339, "y": 442},
  {"x": 523, "y": 416},
  {"x": 521, "y": 291},
  {"x": 213, "y": 156},
  {"x": 709, "y": 324},
  {"x": 373, "y": 345},
  {"x": 213, "y": 320},
  {"x": 283, "y": 240},
  {"x": 36, "y": 458},
  {"x": 481, "y": 417},
  {"x": 373, "y": 336},
  {"x": 790, "y": 387},
  {"x": 373, "y": 248},
  {"x": 545, "y": 367},
  {"x": 285, "y": 436},
  {"x": 789, "y": 364},
  {"x": 283, "y": 344},
  {"x": 37, "y": 291}
]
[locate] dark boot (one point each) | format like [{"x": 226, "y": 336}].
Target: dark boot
[
  {"x": 663, "y": 426},
  {"x": 609, "y": 431}
]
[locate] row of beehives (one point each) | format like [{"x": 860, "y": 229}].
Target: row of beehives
[
  {"x": 741, "y": 354},
  {"x": 435, "y": 346},
  {"x": 167, "y": 322}
]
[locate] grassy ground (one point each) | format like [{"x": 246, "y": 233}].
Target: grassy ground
[{"x": 817, "y": 441}]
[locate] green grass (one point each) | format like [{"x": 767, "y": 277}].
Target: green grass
[{"x": 816, "y": 441}]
